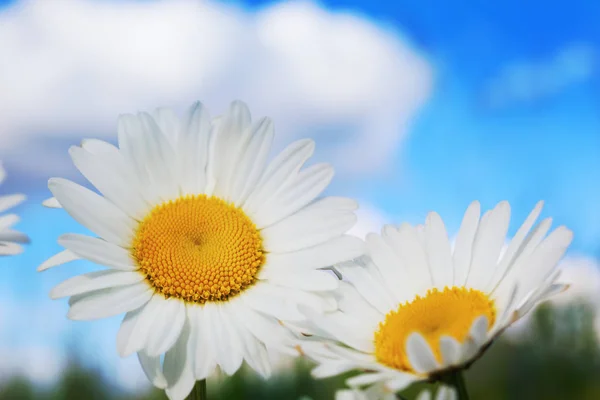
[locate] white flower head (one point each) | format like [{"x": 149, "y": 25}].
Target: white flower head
[
  {"x": 10, "y": 240},
  {"x": 208, "y": 244},
  {"x": 417, "y": 307}
]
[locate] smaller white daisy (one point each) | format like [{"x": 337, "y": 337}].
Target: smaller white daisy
[
  {"x": 443, "y": 393},
  {"x": 417, "y": 309},
  {"x": 10, "y": 240}
]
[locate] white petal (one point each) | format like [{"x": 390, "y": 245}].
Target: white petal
[
  {"x": 463, "y": 249},
  {"x": 192, "y": 149},
  {"x": 108, "y": 302},
  {"x": 61, "y": 258},
  {"x": 390, "y": 266},
  {"x": 513, "y": 248},
  {"x": 228, "y": 140},
  {"x": 478, "y": 330},
  {"x": 368, "y": 287},
  {"x": 266, "y": 329},
  {"x": 202, "y": 348},
  {"x": 177, "y": 368},
  {"x": 305, "y": 280},
  {"x": 350, "y": 301},
  {"x": 98, "y": 251},
  {"x": 160, "y": 159},
  {"x": 131, "y": 144},
  {"x": 450, "y": 350},
  {"x": 446, "y": 393},
  {"x": 475, "y": 340},
  {"x": 285, "y": 166},
  {"x": 409, "y": 248},
  {"x": 438, "y": 251},
  {"x": 333, "y": 368},
  {"x": 366, "y": 379},
  {"x": 94, "y": 212},
  {"x": 544, "y": 259},
  {"x": 420, "y": 354},
  {"x": 487, "y": 245},
  {"x": 110, "y": 174},
  {"x": 424, "y": 395},
  {"x": 272, "y": 301},
  {"x": 252, "y": 163},
  {"x": 135, "y": 333},
  {"x": 335, "y": 203},
  {"x": 296, "y": 194},
  {"x": 7, "y": 202},
  {"x": 151, "y": 367},
  {"x": 349, "y": 395},
  {"x": 125, "y": 335},
  {"x": 229, "y": 348},
  {"x": 332, "y": 252},
  {"x": 168, "y": 324},
  {"x": 306, "y": 228},
  {"x": 255, "y": 352},
  {"x": 169, "y": 124},
  {"x": 344, "y": 328},
  {"x": 399, "y": 383},
  {"x": 94, "y": 281}
]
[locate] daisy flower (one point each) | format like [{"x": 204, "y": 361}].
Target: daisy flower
[
  {"x": 207, "y": 245},
  {"x": 10, "y": 240},
  {"x": 417, "y": 308}
]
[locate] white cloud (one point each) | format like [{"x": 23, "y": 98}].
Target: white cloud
[
  {"x": 528, "y": 81},
  {"x": 74, "y": 65}
]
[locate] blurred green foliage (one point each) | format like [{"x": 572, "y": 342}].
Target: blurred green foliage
[{"x": 557, "y": 358}]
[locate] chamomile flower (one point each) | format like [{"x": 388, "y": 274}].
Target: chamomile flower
[
  {"x": 207, "y": 244},
  {"x": 416, "y": 308},
  {"x": 10, "y": 240}
]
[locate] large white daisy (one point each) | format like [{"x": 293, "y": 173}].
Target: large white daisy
[
  {"x": 417, "y": 308},
  {"x": 208, "y": 246},
  {"x": 10, "y": 240}
]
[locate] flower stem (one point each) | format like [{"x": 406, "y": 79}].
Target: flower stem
[
  {"x": 199, "y": 391},
  {"x": 457, "y": 380}
]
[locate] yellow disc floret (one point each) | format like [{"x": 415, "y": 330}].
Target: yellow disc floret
[
  {"x": 198, "y": 249},
  {"x": 450, "y": 312}
]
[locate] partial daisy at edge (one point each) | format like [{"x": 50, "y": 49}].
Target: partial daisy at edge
[
  {"x": 11, "y": 241},
  {"x": 416, "y": 307},
  {"x": 209, "y": 244}
]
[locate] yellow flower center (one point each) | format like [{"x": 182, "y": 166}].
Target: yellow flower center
[
  {"x": 450, "y": 312},
  {"x": 198, "y": 249}
]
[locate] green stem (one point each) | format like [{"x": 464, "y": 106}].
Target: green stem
[
  {"x": 457, "y": 380},
  {"x": 199, "y": 391}
]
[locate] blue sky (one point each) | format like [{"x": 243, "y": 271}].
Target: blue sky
[{"x": 539, "y": 138}]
